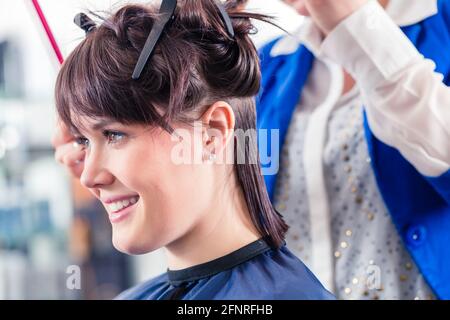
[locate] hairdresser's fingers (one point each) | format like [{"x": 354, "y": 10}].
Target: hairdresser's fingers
[
  {"x": 72, "y": 157},
  {"x": 61, "y": 151},
  {"x": 76, "y": 170},
  {"x": 298, "y": 5},
  {"x": 61, "y": 135},
  {"x": 69, "y": 154}
]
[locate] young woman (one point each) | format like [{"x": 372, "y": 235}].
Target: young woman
[{"x": 154, "y": 99}]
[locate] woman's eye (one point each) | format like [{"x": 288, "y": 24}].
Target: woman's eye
[
  {"x": 82, "y": 141},
  {"x": 114, "y": 136}
]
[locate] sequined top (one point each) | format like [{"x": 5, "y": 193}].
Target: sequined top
[{"x": 369, "y": 258}]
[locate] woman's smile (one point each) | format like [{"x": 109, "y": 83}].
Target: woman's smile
[{"x": 120, "y": 208}]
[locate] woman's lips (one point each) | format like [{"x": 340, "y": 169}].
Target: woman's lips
[{"x": 120, "y": 210}]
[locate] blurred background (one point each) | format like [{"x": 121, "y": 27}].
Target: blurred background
[{"x": 47, "y": 221}]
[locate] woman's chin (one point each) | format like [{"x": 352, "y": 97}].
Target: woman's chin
[{"x": 129, "y": 246}]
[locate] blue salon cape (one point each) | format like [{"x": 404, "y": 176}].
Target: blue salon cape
[{"x": 254, "y": 272}]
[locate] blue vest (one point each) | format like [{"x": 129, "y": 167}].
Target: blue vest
[{"x": 419, "y": 205}]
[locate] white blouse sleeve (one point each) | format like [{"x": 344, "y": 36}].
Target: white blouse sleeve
[{"x": 407, "y": 103}]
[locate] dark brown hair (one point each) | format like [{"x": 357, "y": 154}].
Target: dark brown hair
[{"x": 195, "y": 64}]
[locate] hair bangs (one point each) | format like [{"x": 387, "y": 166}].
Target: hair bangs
[{"x": 93, "y": 83}]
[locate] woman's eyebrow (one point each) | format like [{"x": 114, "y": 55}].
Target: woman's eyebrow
[
  {"x": 94, "y": 127},
  {"x": 101, "y": 124}
]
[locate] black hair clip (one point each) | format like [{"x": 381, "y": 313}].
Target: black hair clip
[
  {"x": 167, "y": 12},
  {"x": 226, "y": 18},
  {"x": 84, "y": 22}
]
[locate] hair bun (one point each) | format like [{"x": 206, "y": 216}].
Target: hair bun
[{"x": 129, "y": 23}]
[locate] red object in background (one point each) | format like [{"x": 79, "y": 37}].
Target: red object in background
[{"x": 48, "y": 31}]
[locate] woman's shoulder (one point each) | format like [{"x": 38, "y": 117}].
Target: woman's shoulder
[
  {"x": 143, "y": 290},
  {"x": 275, "y": 274},
  {"x": 279, "y": 275}
]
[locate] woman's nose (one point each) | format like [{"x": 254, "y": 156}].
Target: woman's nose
[{"x": 95, "y": 174}]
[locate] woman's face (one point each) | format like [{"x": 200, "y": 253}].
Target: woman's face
[{"x": 151, "y": 200}]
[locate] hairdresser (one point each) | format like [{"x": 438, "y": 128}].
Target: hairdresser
[{"x": 360, "y": 96}]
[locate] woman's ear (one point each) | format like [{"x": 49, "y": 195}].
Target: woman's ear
[{"x": 219, "y": 122}]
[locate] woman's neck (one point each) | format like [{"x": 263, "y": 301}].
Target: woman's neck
[{"x": 226, "y": 227}]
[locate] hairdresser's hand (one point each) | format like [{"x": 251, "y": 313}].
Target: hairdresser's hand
[
  {"x": 67, "y": 152},
  {"x": 327, "y": 14}
]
